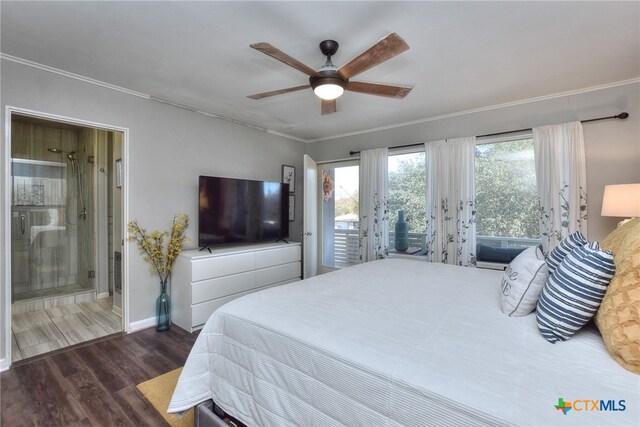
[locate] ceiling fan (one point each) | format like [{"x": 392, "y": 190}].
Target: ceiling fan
[{"x": 329, "y": 82}]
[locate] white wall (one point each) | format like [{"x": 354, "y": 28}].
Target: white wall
[
  {"x": 612, "y": 146},
  {"x": 168, "y": 149}
]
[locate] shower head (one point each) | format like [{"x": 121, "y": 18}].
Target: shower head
[{"x": 71, "y": 155}]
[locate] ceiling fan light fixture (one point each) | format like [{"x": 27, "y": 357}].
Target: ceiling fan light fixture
[
  {"x": 328, "y": 91},
  {"x": 328, "y": 88},
  {"x": 330, "y": 82}
]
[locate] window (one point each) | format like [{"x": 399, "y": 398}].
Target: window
[
  {"x": 506, "y": 199},
  {"x": 340, "y": 213},
  {"x": 406, "y": 192}
]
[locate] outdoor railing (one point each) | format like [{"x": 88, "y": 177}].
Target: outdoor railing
[
  {"x": 346, "y": 247},
  {"x": 507, "y": 242},
  {"x": 346, "y": 244}
]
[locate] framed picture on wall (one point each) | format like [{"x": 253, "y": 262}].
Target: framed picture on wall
[
  {"x": 119, "y": 173},
  {"x": 289, "y": 177},
  {"x": 292, "y": 207}
]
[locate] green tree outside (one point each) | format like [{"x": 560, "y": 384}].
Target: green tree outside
[
  {"x": 406, "y": 191},
  {"x": 348, "y": 205},
  {"x": 506, "y": 195}
]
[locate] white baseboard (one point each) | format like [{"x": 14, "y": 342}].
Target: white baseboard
[
  {"x": 102, "y": 295},
  {"x": 4, "y": 365},
  {"x": 141, "y": 324}
]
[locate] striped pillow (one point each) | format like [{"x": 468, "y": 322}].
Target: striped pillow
[
  {"x": 574, "y": 292},
  {"x": 568, "y": 244}
]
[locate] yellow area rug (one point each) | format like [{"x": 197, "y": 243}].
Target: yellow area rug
[{"x": 158, "y": 392}]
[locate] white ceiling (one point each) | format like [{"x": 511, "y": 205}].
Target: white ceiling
[{"x": 463, "y": 56}]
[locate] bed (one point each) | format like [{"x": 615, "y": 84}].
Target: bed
[{"x": 397, "y": 343}]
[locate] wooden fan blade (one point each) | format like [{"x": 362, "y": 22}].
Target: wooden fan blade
[
  {"x": 397, "y": 92},
  {"x": 273, "y": 52},
  {"x": 277, "y": 92},
  {"x": 385, "y": 49},
  {"x": 328, "y": 107}
]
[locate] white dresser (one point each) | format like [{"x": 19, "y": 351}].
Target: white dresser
[{"x": 202, "y": 281}]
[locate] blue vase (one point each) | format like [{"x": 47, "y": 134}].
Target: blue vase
[
  {"x": 163, "y": 308},
  {"x": 402, "y": 233}
]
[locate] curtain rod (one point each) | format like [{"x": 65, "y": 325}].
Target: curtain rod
[{"x": 621, "y": 116}]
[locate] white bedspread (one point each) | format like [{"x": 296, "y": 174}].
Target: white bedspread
[{"x": 397, "y": 343}]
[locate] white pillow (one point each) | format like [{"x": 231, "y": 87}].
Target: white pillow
[{"x": 523, "y": 281}]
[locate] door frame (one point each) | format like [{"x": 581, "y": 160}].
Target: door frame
[
  {"x": 5, "y": 361},
  {"x": 310, "y": 218}
]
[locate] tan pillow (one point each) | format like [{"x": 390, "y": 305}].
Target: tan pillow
[
  {"x": 619, "y": 315},
  {"x": 615, "y": 238}
]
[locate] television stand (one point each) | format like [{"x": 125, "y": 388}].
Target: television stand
[
  {"x": 281, "y": 239},
  {"x": 205, "y": 247}
]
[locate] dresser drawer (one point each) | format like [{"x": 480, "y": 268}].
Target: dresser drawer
[
  {"x": 277, "y": 256},
  {"x": 206, "y": 290},
  {"x": 279, "y": 273},
  {"x": 201, "y": 312},
  {"x": 203, "y": 281},
  {"x": 222, "y": 266}
]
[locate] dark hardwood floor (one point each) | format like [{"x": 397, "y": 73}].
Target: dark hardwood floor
[{"x": 92, "y": 384}]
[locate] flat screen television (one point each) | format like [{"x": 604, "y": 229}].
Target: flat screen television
[{"x": 239, "y": 211}]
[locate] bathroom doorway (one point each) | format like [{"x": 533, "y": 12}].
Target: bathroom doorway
[{"x": 66, "y": 223}]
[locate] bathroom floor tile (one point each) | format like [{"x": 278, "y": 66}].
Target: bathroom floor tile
[
  {"x": 98, "y": 305},
  {"x": 100, "y": 312},
  {"x": 38, "y": 335},
  {"x": 42, "y": 331},
  {"x": 44, "y": 348},
  {"x": 64, "y": 310},
  {"x": 25, "y": 321},
  {"x": 73, "y": 321},
  {"x": 84, "y": 333}
]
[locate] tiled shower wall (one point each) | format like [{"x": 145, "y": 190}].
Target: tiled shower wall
[{"x": 31, "y": 141}]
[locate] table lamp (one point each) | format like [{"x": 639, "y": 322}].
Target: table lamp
[{"x": 622, "y": 200}]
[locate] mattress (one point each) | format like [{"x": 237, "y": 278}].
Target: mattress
[{"x": 398, "y": 343}]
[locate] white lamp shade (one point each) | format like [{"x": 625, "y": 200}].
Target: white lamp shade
[
  {"x": 622, "y": 200},
  {"x": 328, "y": 91}
]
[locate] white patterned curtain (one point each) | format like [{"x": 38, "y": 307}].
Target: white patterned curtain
[
  {"x": 450, "y": 196},
  {"x": 561, "y": 178},
  {"x": 374, "y": 220}
]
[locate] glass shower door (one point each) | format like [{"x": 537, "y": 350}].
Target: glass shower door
[{"x": 39, "y": 236}]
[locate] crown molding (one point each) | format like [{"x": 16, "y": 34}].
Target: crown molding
[
  {"x": 324, "y": 138},
  {"x": 71, "y": 75},
  {"x": 140, "y": 94},
  {"x": 228, "y": 119},
  {"x": 481, "y": 109}
]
